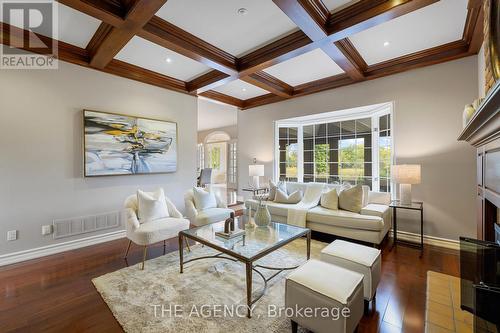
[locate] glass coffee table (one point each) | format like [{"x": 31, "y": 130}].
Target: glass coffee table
[{"x": 256, "y": 243}]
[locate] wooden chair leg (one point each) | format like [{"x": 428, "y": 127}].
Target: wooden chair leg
[
  {"x": 144, "y": 256},
  {"x": 295, "y": 327},
  {"x": 128, "y": 248},
  {"x": 164, "y": 246}
]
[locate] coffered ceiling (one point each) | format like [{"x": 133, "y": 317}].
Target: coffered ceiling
[{"x": 254, "y": 52}]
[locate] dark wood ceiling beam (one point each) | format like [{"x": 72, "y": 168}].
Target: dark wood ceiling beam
[
  {"x": 111, "y": 12},
  {"x": 169, "y": 36},
  {"x": 217, "y": 96},
  {"x": 473, "y": 29},
  {"x": 432, "y": 56},
  {"x": 311, "y": 17},
  {"x": 204, "y": 81},
  {"x": 138, "y": 16},
  {"x": 366, "y": 14},
  {"x": 78, "y": 56},
  {"x": 269, "y": 83},
  {"x": 261, "y": 100}
]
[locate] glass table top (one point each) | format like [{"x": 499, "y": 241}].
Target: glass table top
[
  {"x": 414, "y": 205},
  {"x": 255, "y": 241}
]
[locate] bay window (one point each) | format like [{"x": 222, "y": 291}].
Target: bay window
[{"x": 355, "y": 148}]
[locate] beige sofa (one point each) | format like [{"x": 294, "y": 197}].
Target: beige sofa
[{"x": 370, "y": 225}]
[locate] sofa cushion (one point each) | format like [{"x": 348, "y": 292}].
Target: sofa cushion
[
  {"x": 330, "y": 200},
  {"x": 274, "y": 208},
  {"x": 345, "y": 219},
  {"x": 272, "y": 189},
  {"x": 375, "y": 210},
  {"x": 351, "y": 199},
  {"x": 282, "y": 197}
]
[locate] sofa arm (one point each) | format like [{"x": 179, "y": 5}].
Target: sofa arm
[
  {"x": 375, "y": 210},
  {"x": 380, "y": 198}
]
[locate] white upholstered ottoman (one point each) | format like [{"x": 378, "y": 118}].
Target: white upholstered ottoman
[
  {"x": 318, "y": 294},
  {"x": 358, "y": 258}
]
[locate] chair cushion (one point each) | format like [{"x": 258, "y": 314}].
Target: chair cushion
[
  {"x": 212, "y": 215},
  {"x": 360, "y": 254},
  {"x": 151, "y": 205},
  {"x": 332, "y": 281},
  {"x": 345, "y": 219},
  {"x": 158, "y": 230},
  {"x": 203, "y": 199},
  {"x": 274, "y": 208}
]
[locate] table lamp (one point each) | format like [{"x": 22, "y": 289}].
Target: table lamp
[
  {"x": 256, "y": 171},
  {"x": 406, "y": 175}
]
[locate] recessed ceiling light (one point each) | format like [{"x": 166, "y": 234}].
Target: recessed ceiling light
[
  {"x": 242, "y": 11},
  {"x": 168, "y": 60},
  {"x": 386, "y": 43},
  {"x": 243, "y": 89}
]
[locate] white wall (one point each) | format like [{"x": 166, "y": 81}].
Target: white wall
[
  {"x": 212, "y": 114},
  {"x": 427, "y": 121},
  {"x": 232, "y": 131},
  {"x": 41, "y": 147}
]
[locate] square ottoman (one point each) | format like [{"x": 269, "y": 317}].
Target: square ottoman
[
  {"x": 324, "y": 298},
  {"x": 358, "y": 258}
]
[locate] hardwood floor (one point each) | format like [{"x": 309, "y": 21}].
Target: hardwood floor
[{"x": 55, "y": 293}]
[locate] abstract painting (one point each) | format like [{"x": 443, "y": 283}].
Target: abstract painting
[{"x": 124, "y": 145}]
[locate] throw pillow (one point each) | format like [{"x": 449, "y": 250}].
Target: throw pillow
[
  {"x": 351, "y": 199},
  {"x": 272, "y": 189},
  {"x": 151, "y": 205},
  {"x": 203, "y": 199},
  {"x": 293, "y": 198},
  {"x": 330, "y": 200}
]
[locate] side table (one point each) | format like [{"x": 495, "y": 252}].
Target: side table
[{"x": 415, "y": 205}]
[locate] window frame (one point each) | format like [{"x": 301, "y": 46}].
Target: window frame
[{"x": 346, "y": 115}]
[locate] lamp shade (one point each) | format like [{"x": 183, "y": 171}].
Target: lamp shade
[
  {"x": 406, "y": 173},
  {"x": 256, "y": 170}
]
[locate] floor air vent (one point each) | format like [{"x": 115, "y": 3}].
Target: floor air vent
[{"x": 85, "y": 224}]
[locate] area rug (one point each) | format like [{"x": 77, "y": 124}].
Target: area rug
[
  {"x": 210, "y": 296},
  {"x": 442, "y": 308}
]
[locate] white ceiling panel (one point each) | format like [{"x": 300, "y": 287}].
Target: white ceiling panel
[
  {"x": 434, "y": 25},
  {"x": 336, "y": 5},
  {"x": 74, "y": 27},
  {"x": 219, "y": 23},
  {"x": 143, "y": 53},
  {"x": 241, "y": 89},
  {"x": 308, "y": 67}
]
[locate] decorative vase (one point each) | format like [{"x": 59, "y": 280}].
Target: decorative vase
[
  {"x": 262, "y": 216},
  {"x": 468, "y": 113}
]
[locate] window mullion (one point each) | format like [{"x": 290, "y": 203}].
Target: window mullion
[
  {"x": 375, "y": 154},
  {"x": 300, "y": 153}
]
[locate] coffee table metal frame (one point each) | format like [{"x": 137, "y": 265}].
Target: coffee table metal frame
[{"x": 249, "y": 262}]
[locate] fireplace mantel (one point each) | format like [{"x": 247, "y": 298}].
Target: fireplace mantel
[{"x": 484, "y": 126}]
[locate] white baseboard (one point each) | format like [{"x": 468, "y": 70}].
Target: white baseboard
[
  {"x": 431, "y": 240},
  {"x": 15, "y": 257}
]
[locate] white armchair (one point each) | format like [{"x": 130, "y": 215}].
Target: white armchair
[
  {"x": 210, "y": 215},
  {"x": 153, "y": 231}
]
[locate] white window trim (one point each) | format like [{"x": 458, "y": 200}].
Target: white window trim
[{"x": 343, "y": 115}]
